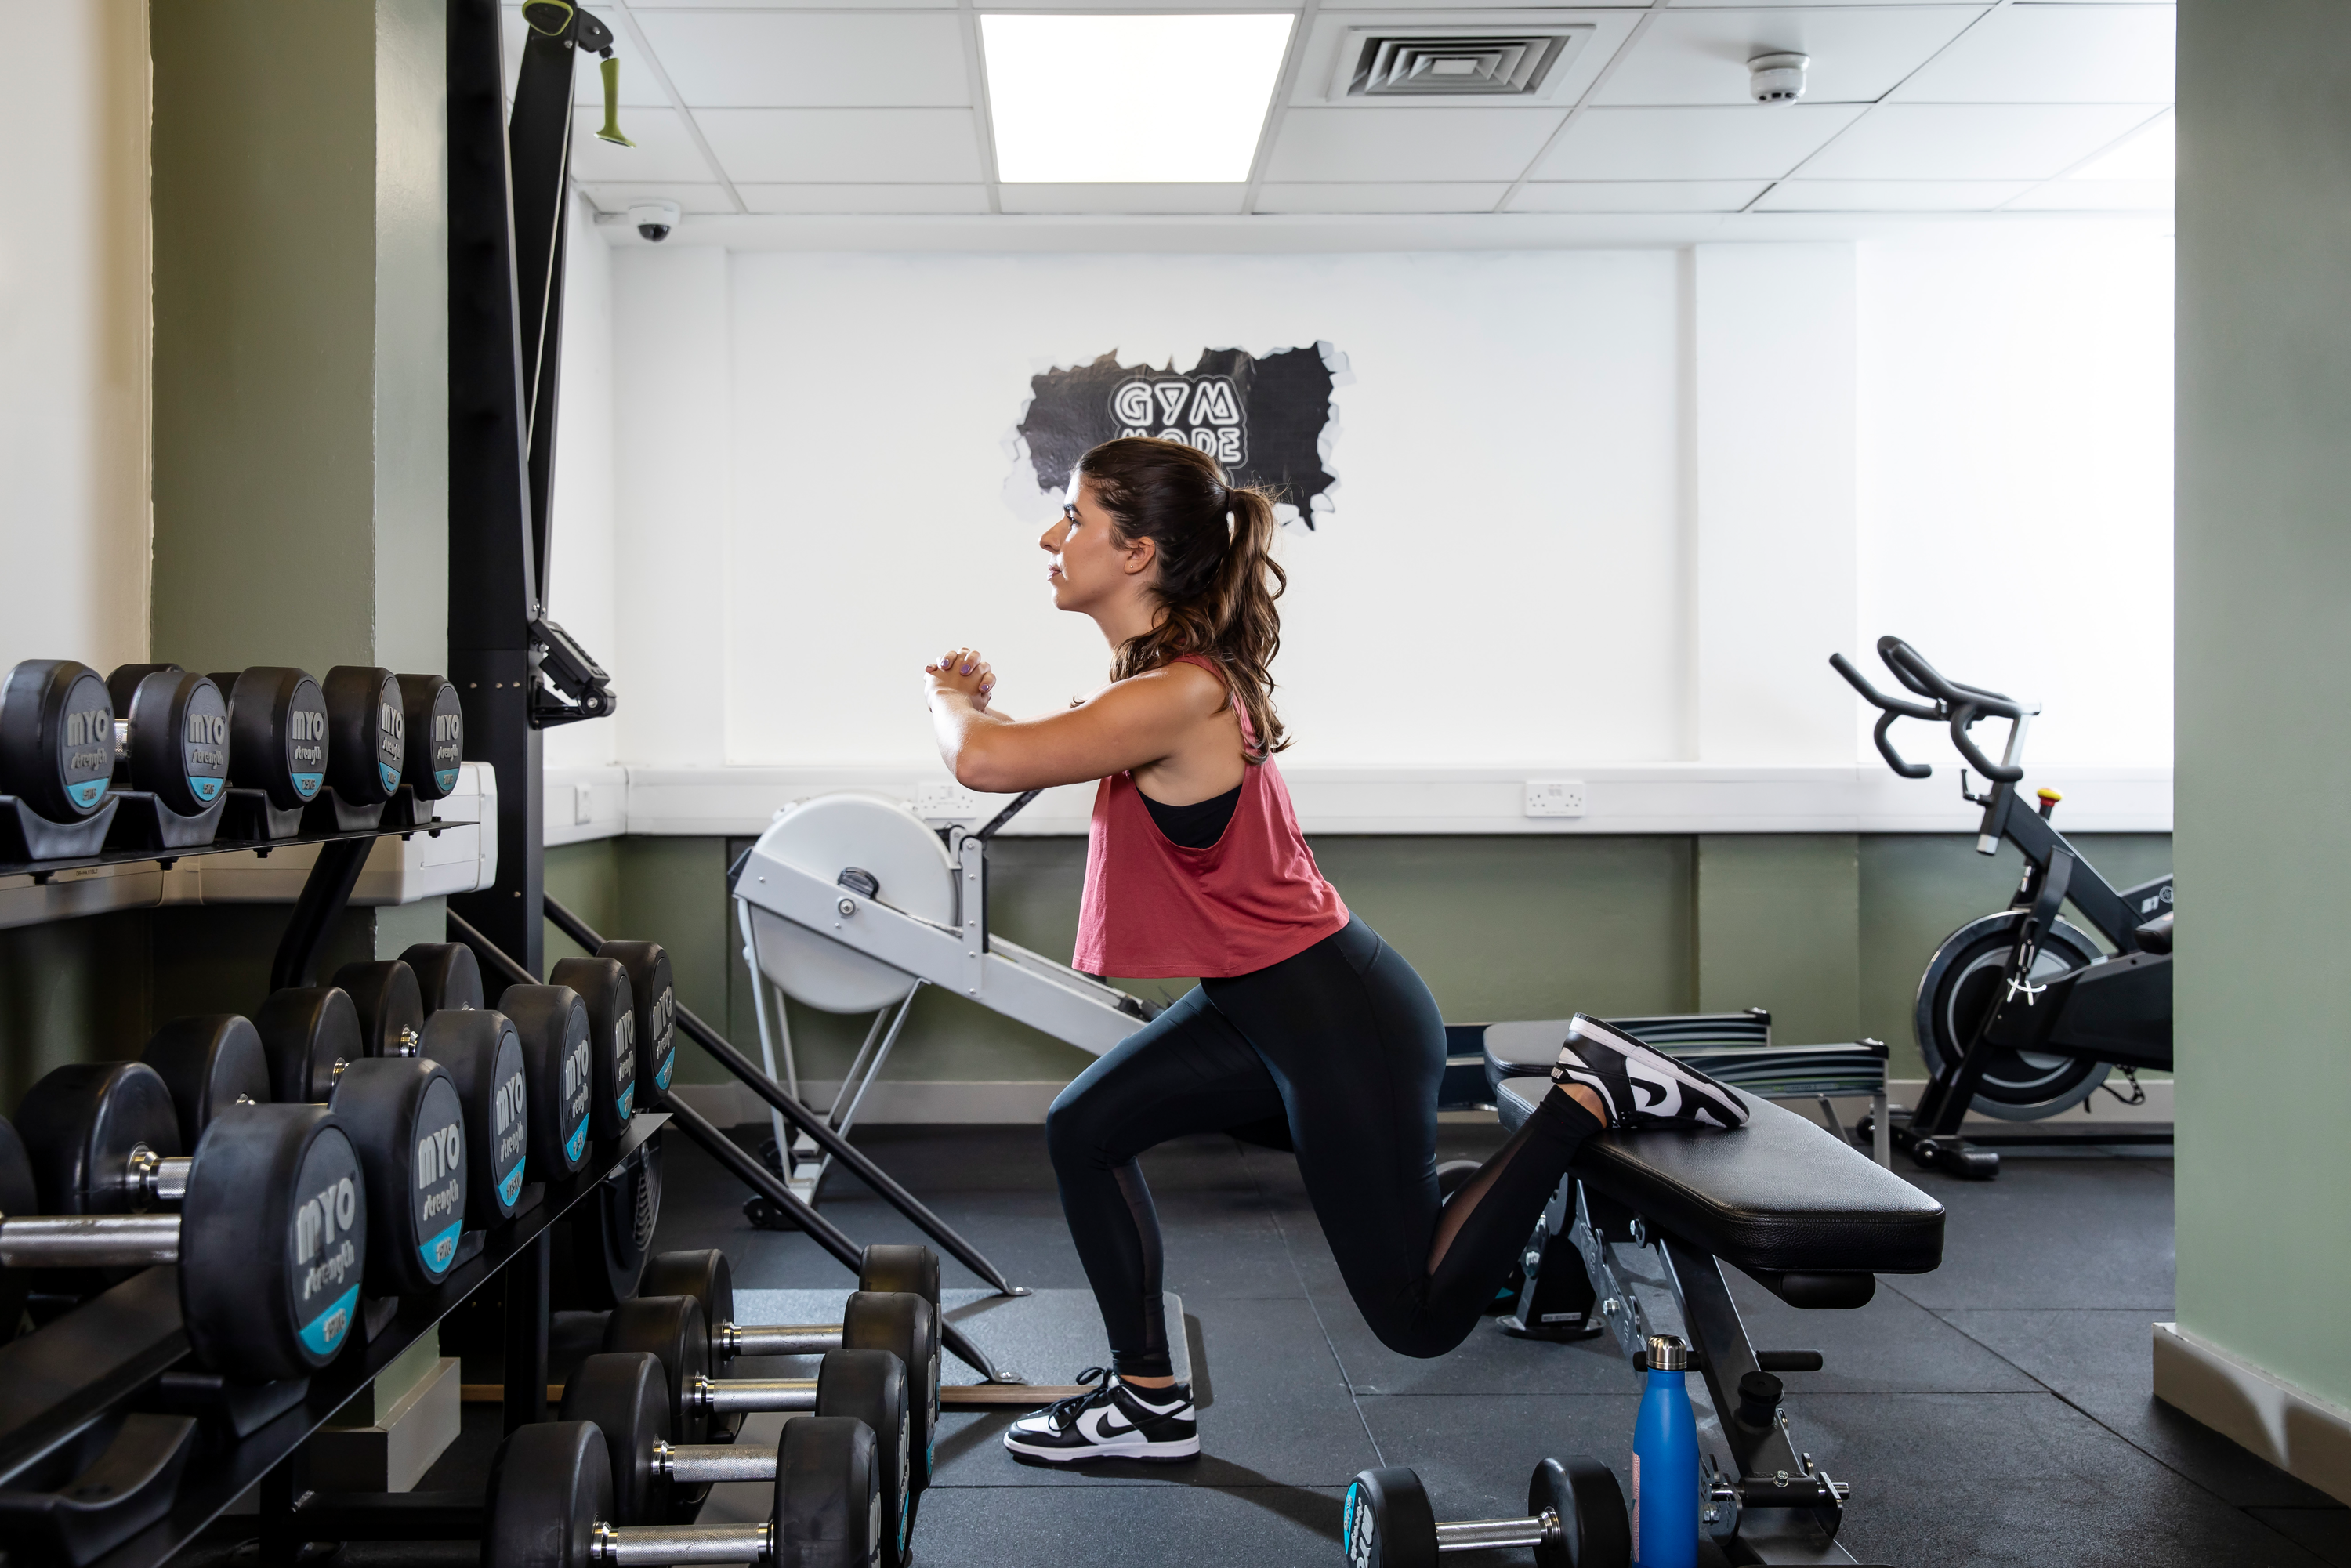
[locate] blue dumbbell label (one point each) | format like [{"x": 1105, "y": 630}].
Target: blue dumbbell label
[
  {"x": 438, "y": 1187},
  {"x": 328, "y": 1244}
]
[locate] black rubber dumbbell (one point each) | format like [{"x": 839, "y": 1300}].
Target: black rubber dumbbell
[
  {"x": 654, "y": 996},
  {"x": 409, "y": 1125},
  {"x": 277, "y": 744},
  {"x": 604, "y": 991},
  {"x": 447, "y": 973},
  {"x": 57, "y": 738},
  {"x": 626, "y": 1395},
  {"x": 172, "y": 735},
  {"x": 560, "y": 1059},
  {"x": 437, "y": 735},
  {"x": 209, "y": 1064},
  {"x": 550, "y": 1504},
  {"x": 391, "y": 1005},
  {"x": 367, "y": 723},
  {"x": 887, "y": 1271},
  {"x": 271, "y": 1230}
]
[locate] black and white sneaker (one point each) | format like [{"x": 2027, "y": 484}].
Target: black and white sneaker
[
  {"x": 1113, "y": 1421},
  {"x": 1642, "y": 1086}
]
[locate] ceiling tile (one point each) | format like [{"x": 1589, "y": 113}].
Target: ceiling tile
[
  {"x": 1890, "y": 195},
  {"x": 1973, "y": 141},
  {"x": 1388, "y": 198},
  {"x": 786, "y": 59},
  {"x": 637, "y": 84},
  {"x": 1858, "y": 56},
  {"x": 2096, "y": 196},
  {"x": 852, "y": 145},
  {"x": 2055, "y": 54},
  {"x": 1159, "y": 197},
  {"x": 663, "y": 151},
  {"x": 691, "y": 198},
  {"x": 866, "y": 198},
  {"x": 1334, "y": 32},
  {"x": 1416, "y": 144},
  {"x": 1758, "y": 141},
  {"x": 1637, "y": 195}
]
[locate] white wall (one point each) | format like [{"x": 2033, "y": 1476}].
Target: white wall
[
  {"x": 74, "y": 334},
  {"x": 580, "y": 586},
  {"x": 1594, "y": 508}
]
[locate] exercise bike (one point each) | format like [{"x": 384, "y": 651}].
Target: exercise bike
[{"x": 2020, "y": 1015}]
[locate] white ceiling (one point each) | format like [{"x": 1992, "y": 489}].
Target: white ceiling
[{"x": 751, "y": 107}]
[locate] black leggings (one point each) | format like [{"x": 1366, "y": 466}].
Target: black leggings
[{"x": 1344, "y": 1043}]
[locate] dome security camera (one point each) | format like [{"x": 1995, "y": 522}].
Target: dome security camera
[
  {"x": 653, "y": 219},
  {"x": 1777, "y": 78}
]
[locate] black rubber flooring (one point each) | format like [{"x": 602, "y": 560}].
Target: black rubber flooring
[{"x": 1996, "y": 1411}]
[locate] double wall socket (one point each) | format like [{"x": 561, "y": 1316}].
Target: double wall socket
[
  {"x": 947, "y": 803},
  {"x": 1554, "y": 797}
]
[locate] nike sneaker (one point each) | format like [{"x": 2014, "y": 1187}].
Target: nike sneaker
[
  {"x": 1111, "y": 1420},
  {"x": 1642, "y": 1086}
]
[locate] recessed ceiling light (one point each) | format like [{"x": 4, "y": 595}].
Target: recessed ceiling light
[
  {"x": 1130, "y": 98},
  {"x": 2149, "y": 155}
]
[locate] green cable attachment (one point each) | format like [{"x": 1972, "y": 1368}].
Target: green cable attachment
[
  {"x": 612, "y": 131},
  {"x": 548, "y": 18}
]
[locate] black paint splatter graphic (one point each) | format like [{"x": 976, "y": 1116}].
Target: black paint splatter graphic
[{"x": 1263, "y": 419}]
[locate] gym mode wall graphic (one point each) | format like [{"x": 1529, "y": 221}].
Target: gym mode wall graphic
[{"x": 1267, "y": 418}]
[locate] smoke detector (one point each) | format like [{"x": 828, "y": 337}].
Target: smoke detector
[{"x": 1777, "y": 78}]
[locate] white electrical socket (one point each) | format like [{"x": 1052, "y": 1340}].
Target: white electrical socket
[
  {"x": 1554, "y": 797},
  {"x": 945, "y": 803},
  {"x": 583, "y": 805}
]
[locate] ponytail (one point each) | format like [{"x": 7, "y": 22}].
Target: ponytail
[{"x": 1218, "y": 578}]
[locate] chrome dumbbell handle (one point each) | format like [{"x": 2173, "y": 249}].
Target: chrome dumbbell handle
[
  {"x": 749, "y": 1395},
  {"x": 1482, "y": 1535},
  {"x": 89, "y": 1241},
  {"x": 779, "y": 1339},
  {"x": 666, "y": 1544},
  {"x": 149, "y": 1178},
  {"x": 692, "y": 1464}
]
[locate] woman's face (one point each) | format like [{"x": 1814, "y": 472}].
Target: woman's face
[{"x": 1090, "y": 565}]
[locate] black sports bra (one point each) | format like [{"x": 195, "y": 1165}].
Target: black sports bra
[{"x": 1199, "y": 824}]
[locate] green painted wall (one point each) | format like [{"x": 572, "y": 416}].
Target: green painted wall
[
  {"x": 2265, "y": 640},
  {"x": 1829, "y": 931},
  {"x": 297, "y": 161}
]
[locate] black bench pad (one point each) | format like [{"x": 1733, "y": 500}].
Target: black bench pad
[{"x": 1781, "y": 1194}]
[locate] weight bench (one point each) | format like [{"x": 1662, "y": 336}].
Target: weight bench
[{"x": 1643, "y": 1225}]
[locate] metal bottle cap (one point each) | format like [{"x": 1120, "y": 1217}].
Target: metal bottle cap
[{"x": 1667, "y": 1353}]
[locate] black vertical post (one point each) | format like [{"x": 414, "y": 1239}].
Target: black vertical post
[
  {"x": 493, "y": 575},
  {"x": 278, "y": 1545},
  {"x": 528, "y": 1281}
]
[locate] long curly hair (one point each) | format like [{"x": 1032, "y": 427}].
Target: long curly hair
[{"x": 1217, "y": 578}]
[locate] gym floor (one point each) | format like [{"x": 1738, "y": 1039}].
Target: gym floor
[{"x": 1994, "y": 1411}]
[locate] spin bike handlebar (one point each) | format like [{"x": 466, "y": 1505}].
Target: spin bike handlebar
[{"x": 1953, "y": 704}]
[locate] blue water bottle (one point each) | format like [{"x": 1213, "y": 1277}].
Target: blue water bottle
[{"x": 1665, "y": 1462}]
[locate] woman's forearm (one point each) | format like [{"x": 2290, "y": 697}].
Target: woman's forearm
[{"x": 963, "y": 730}]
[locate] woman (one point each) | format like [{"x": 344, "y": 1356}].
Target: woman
[{"x": 1195, "y": 867}]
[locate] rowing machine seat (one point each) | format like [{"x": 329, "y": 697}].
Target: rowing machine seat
[{"x": 1781, "y": 1195}]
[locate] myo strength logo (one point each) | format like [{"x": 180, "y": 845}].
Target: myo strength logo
[{"x": 1267, "y": 418}]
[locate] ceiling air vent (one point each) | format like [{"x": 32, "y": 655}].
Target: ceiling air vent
[{"x": 1455, "y": 65}]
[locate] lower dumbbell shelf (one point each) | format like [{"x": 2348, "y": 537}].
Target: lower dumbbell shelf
[{"x": 48, "y": 1390}]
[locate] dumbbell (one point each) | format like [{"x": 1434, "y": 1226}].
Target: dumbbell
[
  {"x": 447, "y": 973},
  {"x": 654, "y": 996},
  {"x": 610, "y": 1001},
  {"x": 171, "y": 740},
  {"x": 57, "y": 738},
  {"x": 209, "y": 1064},
  {"x": 271, "y": 1235},
  {"x": 367, "y": 728},
  {"x": 550, "y": 1505},
  {"x": 884, "y": 1271},
  {"x": 1575, "y": 1519},
  {"x": 391, "y": 1004},
  {"x": 312, "y": 1036},
  {"x": 561, "y": 1057},
  {"x": 626, "y": 1396},
  {"x": 278, "y": 739},
  {"x": 674, "y": 1331}
]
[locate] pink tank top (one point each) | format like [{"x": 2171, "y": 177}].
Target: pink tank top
[{"x": 1154, "y": 909}]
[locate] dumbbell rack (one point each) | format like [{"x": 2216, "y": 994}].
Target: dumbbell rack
[
  {"x": 108, "y": 1354},
  {"x": 119, "y": 1341}
]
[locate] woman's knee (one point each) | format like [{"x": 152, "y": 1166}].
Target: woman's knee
[{"x": 1074, "y": 1130}]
